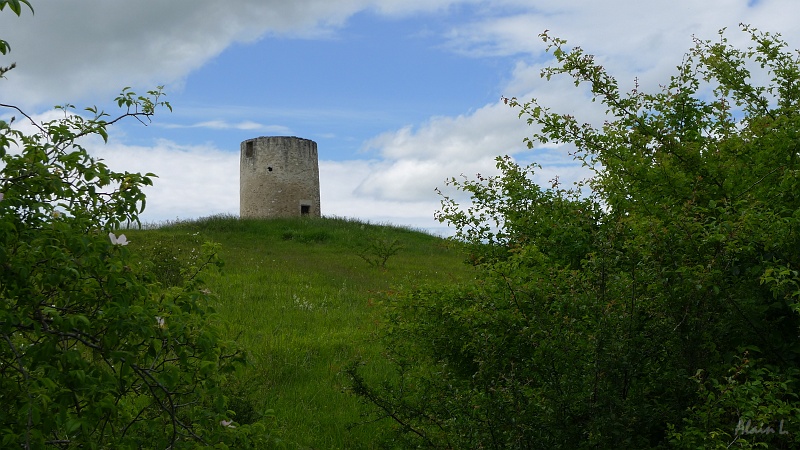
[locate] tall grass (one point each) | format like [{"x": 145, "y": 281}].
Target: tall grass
[{"x": 298, "y": 295}]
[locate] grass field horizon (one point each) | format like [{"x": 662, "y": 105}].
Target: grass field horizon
[{"x": 300, "y": 295}]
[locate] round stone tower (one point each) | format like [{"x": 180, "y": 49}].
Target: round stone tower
[{"x": 279, "y": 177}]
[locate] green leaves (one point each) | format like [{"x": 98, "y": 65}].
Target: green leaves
[
  {"x": 15, "y": 6},
  {"x": 142, "y": 105},
  {"x": 593, "y": 309},
  {"x": 98, "y": 349}
]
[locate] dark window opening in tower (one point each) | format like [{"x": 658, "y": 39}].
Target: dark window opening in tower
[
  {"x": 248, "y": 149},
  {"x": 305, "y": 210},
  {"x": 269, "y": 168}
]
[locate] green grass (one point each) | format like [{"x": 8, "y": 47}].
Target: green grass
[{"x": 299, "y": 296}]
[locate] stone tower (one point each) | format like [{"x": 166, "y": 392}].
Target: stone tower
[{"x": 279, "y": 177}]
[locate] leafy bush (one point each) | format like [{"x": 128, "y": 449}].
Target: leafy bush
[
  {"x": 612, "y": 317},
  {"x": 94, "y": 351},
  {"x": 170, "y": 259},
  {"x": 751, "y": 407},
  {"x": 377, "y": 250}
]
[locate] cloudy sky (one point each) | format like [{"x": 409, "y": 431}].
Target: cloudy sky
[{"x": 399, "y": 94}]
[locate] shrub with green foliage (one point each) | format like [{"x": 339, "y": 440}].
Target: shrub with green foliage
[
  {"x": 376, "y": 251},
  {"x": 657, "y": 307},
  {"x": 171, "y": 260},
  {"x": 95, "y": 352}
]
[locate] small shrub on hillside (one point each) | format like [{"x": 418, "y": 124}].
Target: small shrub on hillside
[
  {"x": 168, "y": 257},
  {"x": 378, "y": 250}
]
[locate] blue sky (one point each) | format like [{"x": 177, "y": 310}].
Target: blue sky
[
  {"x": 372, "y": 75},
  {"x": 399, "y": 94}
]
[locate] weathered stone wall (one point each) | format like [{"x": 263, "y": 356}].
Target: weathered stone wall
[{"x": 279, "y": 177}]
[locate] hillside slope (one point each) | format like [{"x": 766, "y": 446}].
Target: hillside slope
[{"x": 299, "y": 296}]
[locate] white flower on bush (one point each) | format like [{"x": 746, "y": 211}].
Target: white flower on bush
[
  {"x": 161, "y": 322},
  {"x": 121, "y": 240},
  {"x": 227, "y": 423}
]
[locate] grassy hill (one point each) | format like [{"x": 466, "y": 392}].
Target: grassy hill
[{"x": 300, "y": 296}]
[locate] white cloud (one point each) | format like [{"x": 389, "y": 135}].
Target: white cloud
[
  {"x": 246, "y": 125},
  {"x": 69, "y": 49},
  {"x": 400, "y": 8},
  {"x": 340, "y": 196},
  {"x": 192, "y": 181},
  {"x": 492, "y": 128},
  {"x": 94, "y": 45},
  {"x": 415, "y": 161},
  {"x": 640, "y": 31},
  {"x": 630, "y": 38}
]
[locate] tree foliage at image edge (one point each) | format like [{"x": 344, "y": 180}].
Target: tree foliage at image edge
[
  {"x": 96, "y": 352},
  {"x": 653, "y": 305}
]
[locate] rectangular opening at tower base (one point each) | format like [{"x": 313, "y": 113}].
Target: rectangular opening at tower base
[{"x": 305, "y": 210}]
